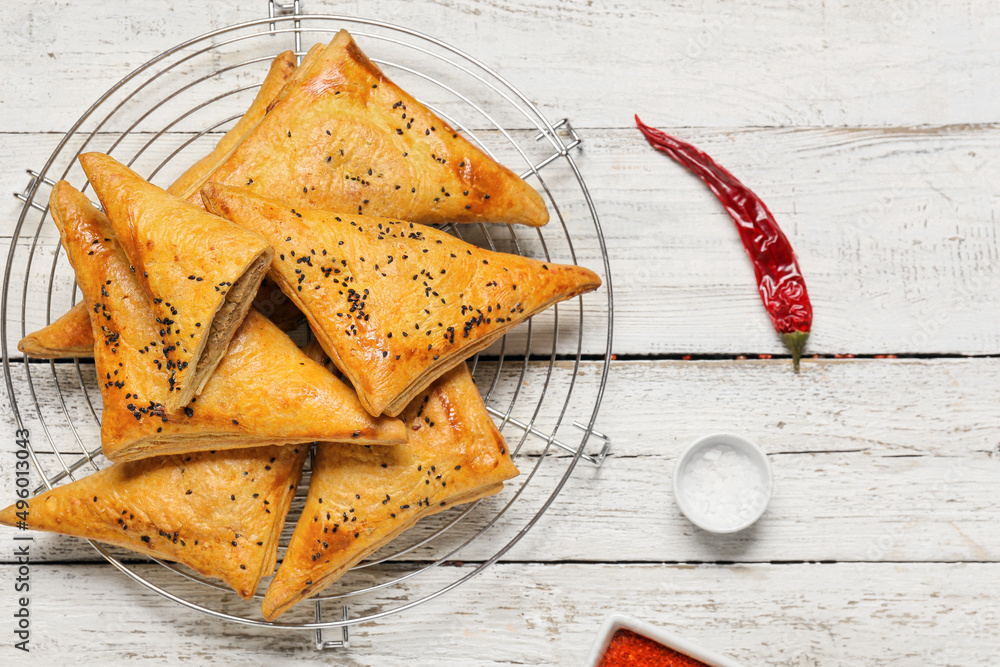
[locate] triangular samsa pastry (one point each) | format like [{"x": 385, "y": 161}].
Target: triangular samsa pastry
[
  {"x": 298, "y": 75},
  {"x": 71, "y": 335},
  {"x": 191, "y": 180},
  {"x": 360, "y": 498},
  {"x": 68, "y": 336},
  {"x": 343, "y": 137},
  {"x": 199, "y": 271},
  {"x": 219, "y": 513},
  {"x": 395, "y": 304},
  {"x": 264, "y": 391}
]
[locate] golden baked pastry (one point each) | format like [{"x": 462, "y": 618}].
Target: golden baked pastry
[
  {"x": 71, "y": 335},
  {"x": 200, "y": 272},
  {"x": 219, "y": 513},
  {"x": 68, "y": 336},
  {"x": 342, "y": 136},
  {"x": 191, "y": 180},
  {"x": 298, "y": 75},
  {"x": 264, "y": 391},
  {"x": 394, "y": 304},
  {"x": 360, "y": 498}
]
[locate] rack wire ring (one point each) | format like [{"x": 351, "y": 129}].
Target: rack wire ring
[{"x": 544, "y": 342}]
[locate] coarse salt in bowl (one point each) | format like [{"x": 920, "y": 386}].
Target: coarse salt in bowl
[{"x": 722, "y": 483}]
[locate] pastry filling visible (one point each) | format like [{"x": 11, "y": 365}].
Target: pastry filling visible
[{"x": 230, "y": 314}]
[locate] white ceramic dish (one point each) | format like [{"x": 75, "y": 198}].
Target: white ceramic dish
[
  {"x": 615, "y": 622},
  {"x": 742, "y": 445}
]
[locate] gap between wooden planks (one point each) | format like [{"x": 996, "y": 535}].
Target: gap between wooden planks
[
  {"x": 892, "y": 227},
  {"x": 873, "y": 614},
  {"x": 862, "y": 473}
]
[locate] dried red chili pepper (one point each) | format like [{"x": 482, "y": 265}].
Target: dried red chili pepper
[{"x": 779, "y": 280}]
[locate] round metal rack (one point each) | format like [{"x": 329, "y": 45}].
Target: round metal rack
[{"x": 167, "y": 113}]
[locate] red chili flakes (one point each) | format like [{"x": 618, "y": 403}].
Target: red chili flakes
[{"x": 630, "y": 649}]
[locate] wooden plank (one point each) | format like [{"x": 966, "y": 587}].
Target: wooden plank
[
  {"x": 656, "y": 408},
  {"x": 709, "y": 64},
  {"x": 845, "y": 197},
  {"x": 861, "y": 475},
  {"x": 929, "y": 509},
  {"x": 881, "y": 181},
  {"x": 806, "y": 614}
]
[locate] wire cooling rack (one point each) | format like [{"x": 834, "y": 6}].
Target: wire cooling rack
[{"x": 168, "y": 113}]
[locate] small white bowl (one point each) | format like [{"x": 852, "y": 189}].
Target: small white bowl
[
  {"x": 615, "y": 622},
  {"x": 742, "y": 445}
]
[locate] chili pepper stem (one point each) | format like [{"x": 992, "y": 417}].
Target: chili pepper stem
[
  {"x": 796, "y": 342},
  {"x": 779, "y": 280}
]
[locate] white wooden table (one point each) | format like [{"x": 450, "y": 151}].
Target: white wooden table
[{"x": 873, "y": 132}]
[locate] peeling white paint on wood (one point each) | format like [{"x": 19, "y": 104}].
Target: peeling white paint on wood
[
  {"x": 894, "y": 230},
  {"x": 928, "y": 475},
  {"x": 878, "y": 614},
  {"x": 690, "y": 64},
  {"x": 870, "y": 130}
]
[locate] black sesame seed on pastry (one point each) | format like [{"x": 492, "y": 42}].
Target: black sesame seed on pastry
[
  {"x": 282, "y": 68},
  {"x": 200, "y": 272},
  {"x": 70, "y": 335},
  {"x": 264, "y": 390},
  {"x": 219, "y": 513},
  {"x": 341, "y": 136},
  {"x": 361, "y": 498},
  {"x": 394, "y": 304}
]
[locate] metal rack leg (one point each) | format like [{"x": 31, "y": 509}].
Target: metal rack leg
[{"x": 322, "y": 644}]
